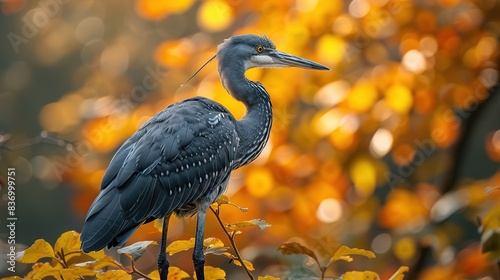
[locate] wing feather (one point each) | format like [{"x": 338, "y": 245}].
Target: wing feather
[{"x": 177, "y": 159}]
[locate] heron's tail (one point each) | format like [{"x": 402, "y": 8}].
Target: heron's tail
[{"x": 104, "y": 225}]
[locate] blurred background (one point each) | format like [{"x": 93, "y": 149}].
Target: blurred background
[{"x": 395, "y": 150}]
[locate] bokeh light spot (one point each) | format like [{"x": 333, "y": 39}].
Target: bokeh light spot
[
  {"x": 362, "y": 97},
  {"x": 364, "y": 176},
  {"x": 331, "y": 94},
  {"x": 414, "y": 61},
  {"x": 326, "y": 44},
  {"x": 329, "y": 210},
  {"x": 55, "y": 117},
  {"x": 156, "y": 10},
  {"x": 493, "y": 145},
  {"x": 215, "y": 15},
  {"x": 405, "y": 248},
  {"x": 328, "y": 122},
  {"x": 381, "y": 142},
  {"x": 259, "y": 181},
  {"x": 359, "y": 8},
  {"x": 399, "y": 98},
  {"x": 381, "y": 243},
  {"x": 403, "y": 154}
]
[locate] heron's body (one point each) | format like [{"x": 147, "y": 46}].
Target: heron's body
[{"x": 181, "y": 159}]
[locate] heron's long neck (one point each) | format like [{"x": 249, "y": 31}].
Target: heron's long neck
[{"x": 254, "y": 128}]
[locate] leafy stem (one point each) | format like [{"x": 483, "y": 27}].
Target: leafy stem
[
  {"x": 136, "y": 271},
  {"x": 230, "y": 236}
]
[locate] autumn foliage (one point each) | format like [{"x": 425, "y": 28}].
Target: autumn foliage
[
  {"x": 67, "y": 261},
  {"x": 395, "y": 151}
]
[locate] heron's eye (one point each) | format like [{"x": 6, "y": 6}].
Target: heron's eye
[{"x": 260, "y": 49}]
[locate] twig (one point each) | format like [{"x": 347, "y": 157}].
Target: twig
[
  {"x": 231, "y": 240},
  {"x": 134, "y": 270}
]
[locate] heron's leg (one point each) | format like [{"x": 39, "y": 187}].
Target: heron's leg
[
  {"x": 198, "y": 255},
  {"x": 162, "y": 256}
]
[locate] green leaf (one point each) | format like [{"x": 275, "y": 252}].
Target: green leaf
[
  {"x": 135, "y": 250},
  {"x": 40, "y": 249}
]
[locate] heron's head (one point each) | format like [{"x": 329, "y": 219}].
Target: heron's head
[{"x": 252, "y": 51}]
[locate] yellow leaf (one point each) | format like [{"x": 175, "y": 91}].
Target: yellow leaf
[
  {"x": 212, "y": 242},
  {"x": 179, "y": 246},
  {"x": 345, "y": 258},
  {"x": 12, "y": 278},
  {"x": 114, "y": 275},
  {"x": 213, "y": 273},
  {"x": 76, "y": 272},
  {"x": 39, "y": 249},
  {"x": 248, "y": 264},
  {"x": 158, "y": 224},
  {"x": 41, "y": 270},
  {"x": 492, "y": 219},
  {"x": 400, "y": 274},
  {"x": 255, "y": 222},
  {"x": 223, "y": 199},
  {"x": 229, "y": 255},
  {"x": 96, "y": 255},
  {"x": 344, "y": 252},
  {"x": 296, "y": 248},
  {"x": 267, "y": 277},
  {"x": 155, "y": 275},
  {"x": 68, "y": 241},
  {"x": 99, "y": 264},
  {"x": 360, "y": 275},
  {"x": 175, "y": 273}
]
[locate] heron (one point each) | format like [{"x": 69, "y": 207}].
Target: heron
[{"x": 179, "y": 161}]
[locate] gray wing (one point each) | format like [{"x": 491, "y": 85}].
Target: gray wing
[{"x": 178, "y": 158}]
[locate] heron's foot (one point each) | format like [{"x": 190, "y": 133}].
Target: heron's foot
[{"x": 163, "y": 266}]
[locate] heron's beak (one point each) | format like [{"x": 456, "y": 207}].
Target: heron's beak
[{"x": 281, "y": 59}]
